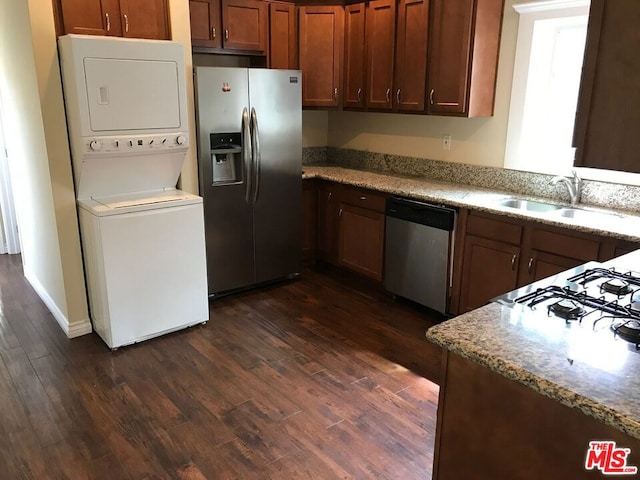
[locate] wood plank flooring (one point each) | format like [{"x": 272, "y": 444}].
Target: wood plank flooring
[{"x": 319, "y": 378}]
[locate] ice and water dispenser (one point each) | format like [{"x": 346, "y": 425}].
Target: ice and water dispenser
[{"x": 226, "y": 157}]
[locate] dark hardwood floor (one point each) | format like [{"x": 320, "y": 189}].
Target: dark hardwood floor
[{"x": 319, "y": 378}]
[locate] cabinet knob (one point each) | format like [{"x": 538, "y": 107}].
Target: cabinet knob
[
  {"x": 398, "y": 96},
  {"x": 388, "y": 95},
  {"x": 513, "y": 262},
  {"x": 335, "y": 93},
  {"x": 431, "y": 96},
  {"x": 213, "y": 33},
  {"x": 226, "y": 34},
  {"x": 363, "y": 198},
  {"x": 126, "y": 23},
  {"x": 108, "y": 21}
]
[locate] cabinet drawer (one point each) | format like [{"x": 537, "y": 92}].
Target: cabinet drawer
[
  {"x": 364, "y": 199},
  {"x": 565, "y": 245},
  {"x": 494, "y": 229}
]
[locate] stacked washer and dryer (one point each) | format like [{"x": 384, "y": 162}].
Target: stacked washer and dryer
[{"x": 142, "y": 239}]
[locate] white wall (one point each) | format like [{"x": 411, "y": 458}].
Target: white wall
[
  {"x": 479, "y": 141},
  {"x": 36, "y": 140}
]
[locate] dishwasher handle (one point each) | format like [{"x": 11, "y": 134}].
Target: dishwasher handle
[{"x": 436, "y": 216}]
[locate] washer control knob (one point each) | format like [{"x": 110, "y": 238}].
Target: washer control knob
[
  {"x": 95, "y": 145},
  {"x": 181, "y": 140}
]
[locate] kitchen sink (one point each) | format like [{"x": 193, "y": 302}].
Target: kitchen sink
[{"x": 529, "y": 205}]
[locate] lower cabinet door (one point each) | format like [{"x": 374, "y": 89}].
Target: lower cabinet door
[
  {"x": 361, "y": 240},
  {"x": 490, "y": 268}
]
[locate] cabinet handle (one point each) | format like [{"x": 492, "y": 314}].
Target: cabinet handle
[
  {"x": 126, "y": 23},
  {"x": 388, "y": 95},
  {"x": 513, "y": 262},
  {"x": 530, "y": 264},
  {"x": 340, "y": 213},
  {"x": 335, "y": 93},
  {"x": 363, "y": 198},
  {"x": 359, "y": 95},
  {"x": 213, "y": 33},
  {"x": 226, "y": 34},
  {"x": 108, "y": 19},
  {"x": 398, "y": 96},
  {"x": 329, "y": 196},
  {"x": 431, "y": 96}
]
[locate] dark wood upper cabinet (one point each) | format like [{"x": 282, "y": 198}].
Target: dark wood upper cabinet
[
  {"x": 463, "y": 56},
  {"x": 229, "y": 25},
  {"x": 411, "y": 55},
  {"x": 122, "y": 18},
  {"x": 354, "y": 55},
  {"x": 608, "y": 116},
  {"x": 380, "y": 41},
  {"x": 282, "y": 36},
  {"x": 245, "y": 25},
  {"x": 320, "y": 49},
  {"x": 206, "y": 23},
  {"x": 144, "y": 19}
]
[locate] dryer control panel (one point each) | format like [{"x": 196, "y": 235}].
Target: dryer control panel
[{"x": 136, "y": 144}]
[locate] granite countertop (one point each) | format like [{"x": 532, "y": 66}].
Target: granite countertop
[
  {"x": 624, "y": 225},
  {"x": 581, "y": 365}
]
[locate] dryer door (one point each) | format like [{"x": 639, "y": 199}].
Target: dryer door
[{"x": 132, "y": 94}]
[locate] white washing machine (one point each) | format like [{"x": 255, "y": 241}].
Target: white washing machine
[
  {"x": 142, "y": 239},
  {"x": 144, "y": 264}
]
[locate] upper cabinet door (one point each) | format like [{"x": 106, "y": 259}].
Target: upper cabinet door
[
  {"x": 450, "y": 52},
  {"x": 411, "y": 55},
  {"x": 90, "y": 17},
  {"x": 245, "y": 25},
  {"x": 463, "y": 56},
  {"x": 144, "y": 19},
  {"x": 608, "y": 117},
  {"x": 381, "y": 32},
  {"x": 282, "y": 36},
  {"x": 354, "y": 55},
  {"x": 321, "y": 43},
  {"x": 205, "y": 22}
]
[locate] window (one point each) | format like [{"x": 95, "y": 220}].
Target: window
[{"x": 546, "y": 80}]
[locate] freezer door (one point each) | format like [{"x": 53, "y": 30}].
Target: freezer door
[
  {"x": 275, "y": 98},
  {"x": 222, "y": 95}
]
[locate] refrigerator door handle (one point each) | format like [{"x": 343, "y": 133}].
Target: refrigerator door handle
[
  {"x": 247, "y": 154},
  {"x": 255, "y": 146}
]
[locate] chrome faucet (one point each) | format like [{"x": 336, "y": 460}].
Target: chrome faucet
[{"x": 574, "y": 185}]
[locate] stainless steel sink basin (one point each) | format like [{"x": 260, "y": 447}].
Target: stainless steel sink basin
[
  {"x": 529, "y": 205},
  {"x": 588, "y": 215}
]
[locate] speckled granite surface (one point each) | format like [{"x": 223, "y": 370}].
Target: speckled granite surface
[
  {"x": 625, "y": 227},
  {"x": 518, "y": 182},
  {"x": 579, "y": 365}
]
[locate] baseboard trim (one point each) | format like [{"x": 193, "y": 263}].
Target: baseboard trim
[{"x": 76, "y": 329}]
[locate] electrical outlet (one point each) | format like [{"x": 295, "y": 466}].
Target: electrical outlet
[{"x": 446, "y": 142}]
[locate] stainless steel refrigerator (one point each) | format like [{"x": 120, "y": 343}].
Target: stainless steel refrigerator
[{"x": 250, "y": 163}]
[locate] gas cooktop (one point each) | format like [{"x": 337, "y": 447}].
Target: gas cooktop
[{"x": 599, "y": 298}]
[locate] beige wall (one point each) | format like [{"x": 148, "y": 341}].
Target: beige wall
[
  {"x": 36, "y": 138},
  {"x": 479, "y": 141},
  {"x": 315, "y": 128}
]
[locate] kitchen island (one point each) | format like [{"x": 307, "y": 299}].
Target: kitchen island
[{"x": 524, "y": 392}]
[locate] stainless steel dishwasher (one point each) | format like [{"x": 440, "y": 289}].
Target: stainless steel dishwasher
[{"x": 419, "y": 251}]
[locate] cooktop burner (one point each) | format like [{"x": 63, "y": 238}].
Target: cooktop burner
[
  {"x": 616, "y": 286},
  {"x": 566, "y": 309},
  {"x": 627, "y": 329}
]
